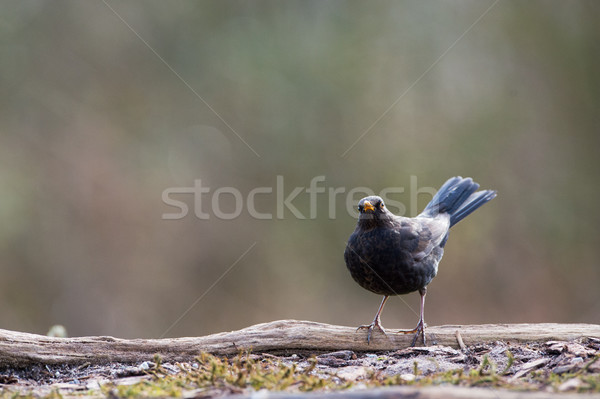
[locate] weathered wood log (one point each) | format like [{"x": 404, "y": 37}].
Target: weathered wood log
[{"x": 284, "y": 336}]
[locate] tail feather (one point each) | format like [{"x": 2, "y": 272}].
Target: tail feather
[
  {"x": 474, "y": 201},
  {"x": 457, "y": 197}
]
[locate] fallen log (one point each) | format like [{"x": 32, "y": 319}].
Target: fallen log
[{"x": 283, "y": 336}]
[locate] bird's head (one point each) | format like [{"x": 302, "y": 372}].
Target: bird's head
[{"x": 372, "y": 209}]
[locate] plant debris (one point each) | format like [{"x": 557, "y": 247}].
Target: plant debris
[{"x": 553, "y": 366}]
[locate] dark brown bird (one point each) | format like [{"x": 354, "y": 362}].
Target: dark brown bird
[{"x": 393, "y": 255}]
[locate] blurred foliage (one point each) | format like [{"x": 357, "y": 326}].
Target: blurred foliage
[{"x": 106, "y": 105}]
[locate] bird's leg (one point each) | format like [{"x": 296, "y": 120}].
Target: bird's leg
[
  {"x": 421, "y": 324},
  {"x": 376, "y": 322},
  {"x": 420, "y": 328}
]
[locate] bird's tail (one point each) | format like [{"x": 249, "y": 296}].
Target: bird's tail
[{"x": 457, "y": 197}]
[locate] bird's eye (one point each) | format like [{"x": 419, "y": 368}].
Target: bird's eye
[
  {"x": 360, "y": 208},
  {"x": 381, "y": 205}
]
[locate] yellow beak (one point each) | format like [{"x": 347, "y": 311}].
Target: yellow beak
[{"x": 368, "y": 206}]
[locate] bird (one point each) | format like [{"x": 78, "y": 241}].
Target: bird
[{"x": 394, "y": 255}]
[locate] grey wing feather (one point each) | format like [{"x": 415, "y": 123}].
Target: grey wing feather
[{"x": 427, "y": 234}]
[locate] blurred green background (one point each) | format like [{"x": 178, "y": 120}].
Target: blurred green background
[{"x": 95, "y": 126}]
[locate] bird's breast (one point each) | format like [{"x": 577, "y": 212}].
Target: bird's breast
[{"x": 380, "y": 261}]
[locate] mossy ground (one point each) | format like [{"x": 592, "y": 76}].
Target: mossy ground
[{"x": 551, "y": 367}]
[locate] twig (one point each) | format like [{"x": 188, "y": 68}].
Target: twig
[{"x": 461, "y": 344}]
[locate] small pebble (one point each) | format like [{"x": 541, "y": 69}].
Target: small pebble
[
  {"x": 346, "y": 355},
  {"x": 352, "y": 373},
  {"x": 571, "y": 384},
  {"x": 562, "y": 369},
  {"x": 145, "y": 366}
]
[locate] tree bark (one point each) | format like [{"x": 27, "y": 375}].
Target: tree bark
[{"x": 284, "y": 336}]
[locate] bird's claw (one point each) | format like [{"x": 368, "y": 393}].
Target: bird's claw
[
  {"x": 418, "y": 330},
  {"x": 370, "y": 328}
]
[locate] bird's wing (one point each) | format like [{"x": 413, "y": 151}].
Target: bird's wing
[{"x": 421, "y": 235}]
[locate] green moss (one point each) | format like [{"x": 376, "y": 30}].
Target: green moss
[
  {"x": 7, "y": 394},
  {"x": 228, "y": 375},
  {"x": 211, "y": 375},
  {"x": 589, "y": 382},
  {"x": 510, "y": 361},
  {"x": 246, "y": 371}
]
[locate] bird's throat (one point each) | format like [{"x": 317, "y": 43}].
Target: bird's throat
[{"x": 368, "y": 221}]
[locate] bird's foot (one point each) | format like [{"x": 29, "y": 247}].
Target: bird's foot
[
  {"x": 370, "y": 327},
  {"x": 418, "y": 330}
]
